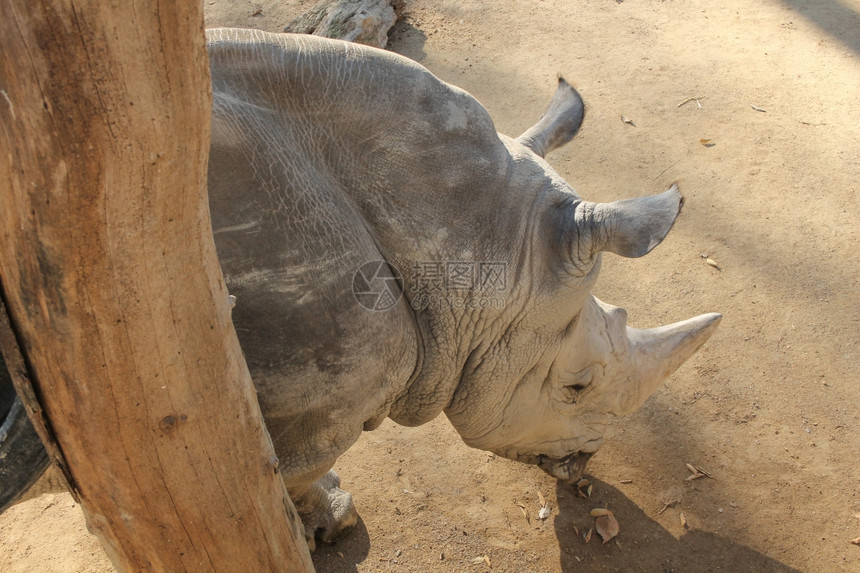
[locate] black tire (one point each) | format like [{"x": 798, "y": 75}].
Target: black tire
[{"x": 23, "y": 458}]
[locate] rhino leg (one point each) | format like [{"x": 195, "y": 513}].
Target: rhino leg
[{"x": 327, "y": 511}]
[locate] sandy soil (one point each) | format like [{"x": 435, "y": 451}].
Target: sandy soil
[{"x": 769, "y": 407}]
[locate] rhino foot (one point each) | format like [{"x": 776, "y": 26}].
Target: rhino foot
[{"x": 327, "y": 511}]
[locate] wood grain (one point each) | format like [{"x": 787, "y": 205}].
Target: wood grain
[{"x": 113, "y": 288}]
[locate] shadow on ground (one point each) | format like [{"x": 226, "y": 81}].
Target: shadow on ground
[
  {"x": 408, "y": 39},
  {"x": 643, "y": 544},
  {"x": 344, "y": 555},
  {"x": 835, "y": 18}
]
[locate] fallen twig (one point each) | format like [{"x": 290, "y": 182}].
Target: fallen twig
[
  {"x": 668, "y": 504},
  {"x": 665, "y": 170},
  {"x": 689, "y": 99}
]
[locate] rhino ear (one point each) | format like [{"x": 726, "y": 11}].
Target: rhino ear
[
  {"x": 558, "y": 124},
  {"x": 630, "y": 228}
]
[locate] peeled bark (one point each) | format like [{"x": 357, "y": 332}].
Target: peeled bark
[{"x": 114, "y": 292}]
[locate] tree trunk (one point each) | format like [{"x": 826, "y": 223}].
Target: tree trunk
[{"x": 114, "y": 292}]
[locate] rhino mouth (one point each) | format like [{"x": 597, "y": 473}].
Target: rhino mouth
[{"x": 568, "y": 469}]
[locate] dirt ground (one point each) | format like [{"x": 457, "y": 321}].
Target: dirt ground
[{"x": 769, "y": 407}]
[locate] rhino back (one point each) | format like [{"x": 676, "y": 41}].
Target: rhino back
[
  {"x": 362, "y": 154},
  {"x": 411, "y": 152},
  {"x": 290, "y": 241}
]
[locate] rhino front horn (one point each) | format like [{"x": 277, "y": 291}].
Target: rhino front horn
[{"x": 658, "y": 352}]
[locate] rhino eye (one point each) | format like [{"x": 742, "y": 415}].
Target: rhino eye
[{"x": 574, "y": 384}]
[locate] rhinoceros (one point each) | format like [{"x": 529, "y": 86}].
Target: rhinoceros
[{"x": 393, "y": 256}]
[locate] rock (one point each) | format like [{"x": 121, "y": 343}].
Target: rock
[{"x": 362, "y": 21}]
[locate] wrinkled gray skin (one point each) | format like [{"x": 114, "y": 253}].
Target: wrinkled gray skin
[{"x": 327, "y": 155}]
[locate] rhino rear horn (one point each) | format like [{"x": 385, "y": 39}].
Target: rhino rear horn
[
  {"x": 558, "y": 124},
  {"x": 630, "y": 227}
]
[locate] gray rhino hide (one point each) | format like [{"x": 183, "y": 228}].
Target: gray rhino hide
[{"x": 326, "y": 156}]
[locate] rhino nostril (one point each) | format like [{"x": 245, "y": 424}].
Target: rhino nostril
[{"x": 571, "y": 393}]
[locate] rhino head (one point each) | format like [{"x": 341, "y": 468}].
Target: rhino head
[
  {"x": 551, "y": 369},
  {"x": 591, "y": 369}
]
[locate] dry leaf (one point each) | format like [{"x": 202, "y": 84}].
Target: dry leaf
[
  {"x": 702, "y": 470},
  {"x": 707, "y": 142},
  {"x": 694, "y": 476},
  {"x": 627, "y": 120},
  {"x": 607, "y": 526},
  {"x": 541, "y": 499},
  {"x": 588, "y": 535},
  {"x": 576, "y": 530},
  {"x": 487, "y": 560},
  {"x": 477, "y": 560},
  {"x": 855, "y": 541},
  {"x": 583, "y": 488},
  {"x": 683, "y": 520},
  {"x": 626, "y": 481},
  {"x": 755, "y": 107},
  {"x": 544, "y": 512},
  {"x": 600, "y": 512},
  {"x": 692, "y": 468},
  {"x": 714, "y": 264},
  {"x": 525, "y": 513}
]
